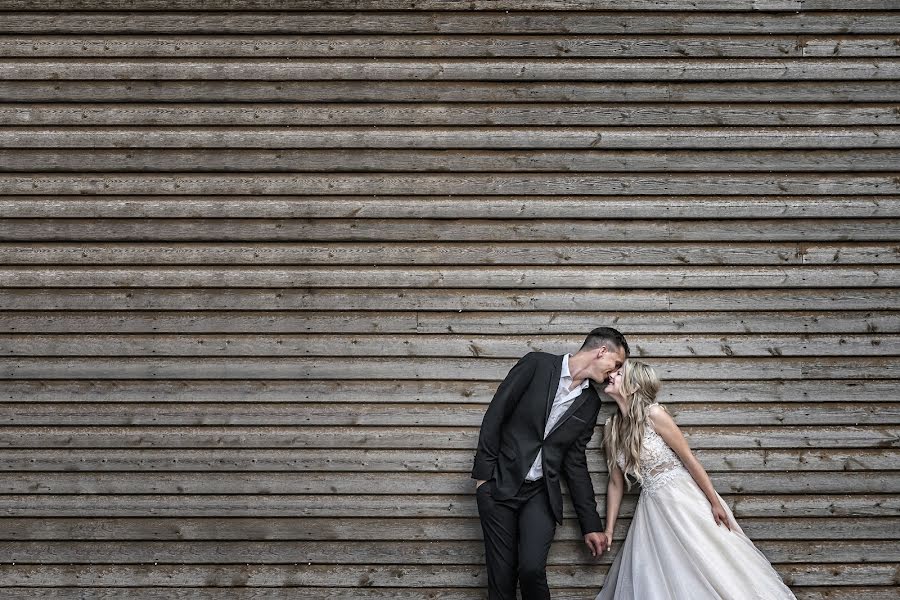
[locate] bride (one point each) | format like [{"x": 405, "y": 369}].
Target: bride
[{"x": 683, "y": 542}]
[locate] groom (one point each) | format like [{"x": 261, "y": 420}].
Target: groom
[{"x": 535, "y": 429}]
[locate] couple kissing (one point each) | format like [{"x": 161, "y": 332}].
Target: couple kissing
[{"x": 683, "y": 542}]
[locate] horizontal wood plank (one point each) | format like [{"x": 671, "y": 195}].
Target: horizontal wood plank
[
  {"x": 374, "y": 392},
  {"x": 406, "y": 437},
  {"x": 317, "y": 306},
  {"x": 29, "y": 91},
  {"x": 609, "y": 208},
  {"x": 374, "y": 575},
  {"x": 536, "y": 323},
  {"x": 444, "y": 506},
  {"x": 725, "y": 17},
  {"x": 325, "y": 483},
  {"x": 151, "y": 160},
  {"x": 447, "y": 230},
  {"x": 399, "y": 529},
  {"x": 450, "y": 253},
  {"x": 633, "y": 113},
  {"x": 449, "y": 552},
  {"x": 447, "y": 5},
  {"x": 644, "y": 347},
  {"x": 164, "y": 367},
  {"x": 388, "y": 461},
  {"x": 416, "y": 414},
  {"x": 464, "y": 184},
  {"x": 517, "y": 278},
  {"x": 458, "y": 69},
  {"x": 438, "y": 46},
  {"x": 525, "y": 138}
]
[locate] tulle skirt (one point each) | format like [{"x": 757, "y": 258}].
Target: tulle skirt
[{"x": 675, "y": 551}]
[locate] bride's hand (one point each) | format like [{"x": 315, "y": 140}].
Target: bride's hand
[
  {"x": 720, "y": 516},
  {"x": 596, "y": 542}
]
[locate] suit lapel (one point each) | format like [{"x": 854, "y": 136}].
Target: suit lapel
[
  {"x": 554, "y": 385},
  {"x": 576, "y": 404}
]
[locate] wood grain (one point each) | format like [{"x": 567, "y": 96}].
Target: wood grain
[
  {"x": 515, "y": 278},
  {"x": 464, "y": 183},
  {"x": 709, "y": 17},
  {"x": 388, "y": 461},
  {"x": 587, "y": 231},
  {"x": 439, "y": 91},
  {"x": 423, "y": 69},
  {"x": 534, "y": 324},
  {"x": 385, "y": 306},
  {"x": 438, "y": 46},
  {"x": 400, "y": 160},
  {"x": 348, "y": 253},
  {"x": 378, "y": 576},
  {"x": 386, "y": 368},
  {"x": 608, "y": 208},
  {"x": 444, "y": 506},
  {"x": 413, "y": 438},
  {"x": 399, "y": 529},
  {"x": 633, "y": 113},
  {"x": 646, "y": 348},
  {"x": 410, "y": 391},
  {"x": 350, "y": 137}
]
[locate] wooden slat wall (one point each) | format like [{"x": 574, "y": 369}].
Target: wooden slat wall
[{"x": 264, "y": 263}]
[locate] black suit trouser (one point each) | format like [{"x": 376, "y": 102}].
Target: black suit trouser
[{"x": 517, "y": 537}]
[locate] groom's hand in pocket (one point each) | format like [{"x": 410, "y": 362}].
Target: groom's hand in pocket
[{"x": 596, "y": 542}]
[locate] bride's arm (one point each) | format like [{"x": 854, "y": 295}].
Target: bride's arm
[
  {"x": 668, "y": 430},
  {"x": 615, "y": 488}
]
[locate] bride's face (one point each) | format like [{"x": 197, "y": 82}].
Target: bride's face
[{"x": 614, "y": 383}]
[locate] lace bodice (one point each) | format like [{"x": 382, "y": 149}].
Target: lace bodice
[{"x": 659, "y": 463}]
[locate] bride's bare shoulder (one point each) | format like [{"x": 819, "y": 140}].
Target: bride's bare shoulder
[{"x": 658, "y": 415}]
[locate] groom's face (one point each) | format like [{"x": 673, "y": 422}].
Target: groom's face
[{"x": 606, "y": 361}]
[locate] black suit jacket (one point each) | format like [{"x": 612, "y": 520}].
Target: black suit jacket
[{"x": 512, "y": 432}]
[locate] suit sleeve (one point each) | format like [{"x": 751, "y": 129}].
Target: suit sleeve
[
  {"x": 575, "y": 468},
  {"x": 502, "y": 404}
]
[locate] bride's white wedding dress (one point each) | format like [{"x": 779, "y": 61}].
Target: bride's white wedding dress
[{"x": 674, "y": 550}]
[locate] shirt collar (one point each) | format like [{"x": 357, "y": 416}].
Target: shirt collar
[{"x": 568, "y": 374}]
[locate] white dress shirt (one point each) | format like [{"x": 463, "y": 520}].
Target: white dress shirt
[{"x": 561, "y": 403}]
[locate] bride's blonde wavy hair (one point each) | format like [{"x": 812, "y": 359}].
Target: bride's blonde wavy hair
[{"x": 625, "y": 432}]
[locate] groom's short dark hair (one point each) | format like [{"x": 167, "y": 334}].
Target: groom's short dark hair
[{"x": 605, "y": 336}]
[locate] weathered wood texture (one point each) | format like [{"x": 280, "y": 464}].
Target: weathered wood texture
[{"x": 263, "y": 264}]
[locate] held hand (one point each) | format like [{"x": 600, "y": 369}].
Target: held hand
[
  {"x": 720, "y": 516},
  {"x": 596, "y": 542},
  {"x": 478, "y": 483}
]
